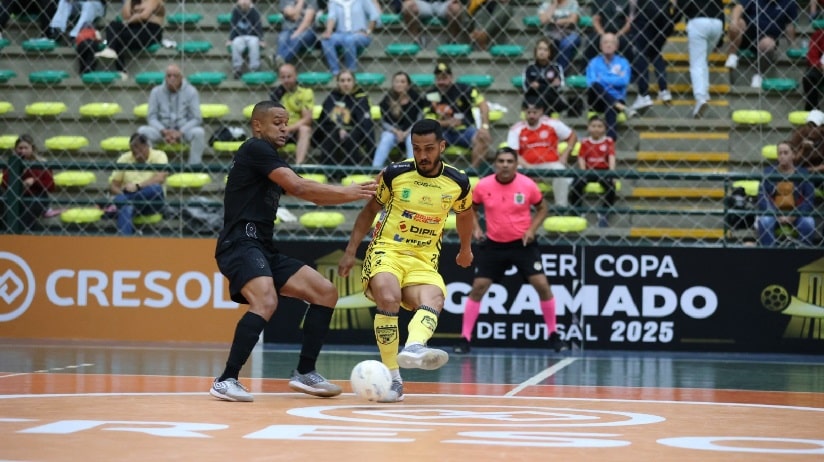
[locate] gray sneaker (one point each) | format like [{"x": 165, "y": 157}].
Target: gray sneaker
[
  {"x": 396, "y": 393},
  {"x": 314, "y": 384},
  {"x": 418, "y": 356},
  {"x": 231, "y": 390}
]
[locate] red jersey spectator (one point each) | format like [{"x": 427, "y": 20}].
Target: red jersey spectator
[
  {"x": 597, "y": 153},
  {"x": 37, "y": 183}
]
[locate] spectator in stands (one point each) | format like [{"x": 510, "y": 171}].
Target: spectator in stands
[
  {"x": 597, "y": 153},
  {"x": 560, "y": 21},
  {"x": 487, "y": 20},
  {"x": 610, "y": 17},
  {"x": 807, "y": 141},
  {"x": 245, "y": 36},
  {"x": 785, "y": 201},
  {"x": 346, "y": 134},
  {"x": 296, "y": 32},
  {"x": 141, "y": 26},
  {"x": 536, "y": 139},
  {"x": 87, "y": 11},
  {"x": 417, "y": 11},
  {"x": 655, "y": 22},
  {"x": 299, "y": 103},
  {"x": 451, "y": 104},
  {"x": 349, "y": 27},
  {"x": 137, "y": 192},
  {"x": 813, "y": 80},
  {"x": 43, "y": 10},
  {"x": 545, "y": 77},
  {"x": 705, "y": 25},
  {"x": 174, "y": 115},
  {"x": 608, "y": 76},
  {"x": 760, "y": 23},
  {"x": 400, "y": 108},
  {"x": 37, "y": 183}
]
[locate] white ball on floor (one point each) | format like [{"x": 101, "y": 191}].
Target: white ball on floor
[{"x": 371, "y": 380}]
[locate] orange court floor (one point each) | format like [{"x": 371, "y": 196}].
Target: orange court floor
[{"x": 71, "y": 401}]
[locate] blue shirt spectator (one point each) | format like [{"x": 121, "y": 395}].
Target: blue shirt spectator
[{"x": 349, "y": 27}]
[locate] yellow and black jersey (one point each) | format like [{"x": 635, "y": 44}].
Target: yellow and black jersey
[{"x": 415, "y": 207}]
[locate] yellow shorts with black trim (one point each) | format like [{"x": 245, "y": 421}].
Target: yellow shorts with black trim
[{"x": 411, "y": 268}]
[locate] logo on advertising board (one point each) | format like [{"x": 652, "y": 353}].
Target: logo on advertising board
[
  {"x": 806, "y": 308},
  {"x": 16, "y": 286}
]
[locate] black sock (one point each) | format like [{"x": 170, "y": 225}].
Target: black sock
[
  {"x": 315, "y": 328},
  {"x": 247, "y": 334}
]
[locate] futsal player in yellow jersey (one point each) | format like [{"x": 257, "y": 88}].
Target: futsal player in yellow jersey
[{"x": 401, "y": 264}]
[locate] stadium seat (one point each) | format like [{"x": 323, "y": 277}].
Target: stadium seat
[
  {"x": 194, "y": 47},
  {"x": 247, "y": 111},
  {"x": 150, "y": 78},
  {"x": 100, "y": 77},
  {"x": 356, "y": 178},
  {"x": 6, "y": 107},
  {"x": 782, "y": 84},
  {"x": 259, "y": 78},
  {"x": 100, "y": 110},
  {"x": 115, "y": 143},
  {"x": 7, "y": 141},
  {"x": 504, "y": 50},
  {"x": 141, "y": 110},
  {"x": 532, "y": 21},
  {"x": 575, "y": 149},
  {"x": 517, "y": 82},
  {"x": 476, "y": 80},
  {"x": 213, "y": 111},
  {"x": 369, "y": 79},
  {"x": 319, "y": 177},
  {"x": 402, "y": 49},
  {"x": 317, "y": 110},
  {"x": 597, "y": 188},
  {"x": 750, "y": 186},
  {"x": 796, "y": 53},
  {"x": 565, "y": 224},
  {"x": 6, "y": 75},
  {"x": 390, "y": 19},
  {"x": 47, "y": 77},
  {"x": 188, "y": 180},
  {"x": 622, "y": 116},
  {"x": 375, "y": 112},
  {"x": 576, "y": 81},
  {"x": 202, "y": 79},
  {"x": 179, "y": 19},
  {"x": 584, "y": 21},
  {"x": 454, "y": 49},
  {"x": 38, "y": 45},
  {"x": 818, "y": 24},
  {"x": 751, "y": 117},
  {"x": 74, "y": 178},
  {"x": 312, "y": 79},
  {"x": 46, "y": 108},
  {"x": 422, "y": 80},
  {"x": 150, "y": 219},
  {"x": 224, "y": 19},
  {"x": 456, "y": 151},
  {"x": 275, "y": 18},
  {"x": 473, "y": 180},
  {"x": 322, "y": 219},
  {"x": 451, "y": 222},
  {"x": 4, "y": 42},
  {"x": 227, "y": 146},
  {"x": 81, "y": 215},
  {"x": 798, "y": 117},
  {"x": 66, "y": 142},
  {"x": 769, "y": 152}
]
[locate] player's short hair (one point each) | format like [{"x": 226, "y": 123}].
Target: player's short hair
[
  {"x": 263, "y": 106},
  {"x": 427, "y": 126},
  {"x": 506, "y": 150}
]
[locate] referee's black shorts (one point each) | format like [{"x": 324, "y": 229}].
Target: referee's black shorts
[
  {"x": 243, "y": 259},
  {"x": 493, "y": 259}
]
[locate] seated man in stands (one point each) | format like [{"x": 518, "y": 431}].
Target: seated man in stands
[
  {"x": 299, "y": 102},
  {"x": 415, "y": 12},
  {"x": 785, "y": 201},
  {"x": 296, "y": 32},
  {"x": 137, "y": 192},
  {"x": 759, "y": 24},
  {"x": 349, "y": 27},
  {"x": 488, "y": 19},
  {"x": 174, "y": 115},
  {"x": 88, "y": 12},
  {"x": 451, "y": 104},
  {"x": 608, "y": 76}
]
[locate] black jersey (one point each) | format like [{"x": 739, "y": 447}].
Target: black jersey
[{"x": 250, "y": 201}]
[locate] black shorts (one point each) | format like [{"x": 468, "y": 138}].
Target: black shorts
[
  {"x": 242, "y": 260},
  {"x": 493, "y": 259}
]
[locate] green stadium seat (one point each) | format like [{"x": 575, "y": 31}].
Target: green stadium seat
[
  {"x": 115, "y": 144},
  {"x": 798, "y": 117},
  {"x": 584, "y": 21},
  {"x": 818, "y": 24},
  {"x": 402, "y": 49},
  {"x": 141, "y": 111},
  {"x": 275, "y": 18},
  {"x": 213, "y": 111},
  {"x": 144, "y": 220},
  {"x": 259, "y": 78},
  {"x": 434, "y": 21},
  {"x": 203, "y": 79},
  {"x": 356, "y": 178},
  {"x": 153, "y": 48},
  {"x": 322, "y": 219},
  {"x": 369, "y": 79},
  {"x": 227, "y": 146},
  {"x": 194, "y": 47},
  {"x": 7, "y": 141},
  {"x": 150, "y": 78},
  {"x": 6, "y": 107},
  {"x": 783, "y": 84},
  {"x": 576, "y": 81},
  {"x": 506, "y": 50},
  {"x": 100, "y": 77},
  {"x": 314, "y": 78},
  {"x": 476, "y": 80},
  {"x": 750, "y": 186},
  {"x": 188, "y": 180},
  {"x": 66, "y": 142},
  {"x": 517, "y": 81},
  {"x": 4, "y": 42},
  {"x": 390, "y": 19},
  {"x": 6, "y": 75},
  {"x": 224, "y": 19},
  {"x": 81, "y": 215},
  {"x": 796, "y": 53},
  {"x": 565, "y": 224},
  {"x": 747, "y": 54},
  {"x": 769, "y": 152},
  {"x": 454, "y": 49},
  {"x": 47, "y": 77},
  {"x": 532, "y": 21},
  {"x": 39, "y": 45},
  {"x": 422, "y": 80},
  {"x": 100, "y": 110},
  {"x": 751, "y": 117},
  {"x": 180, "y": 19},
  {"x": 74, "y": 179},
  {"x": 46, "y": 108}
]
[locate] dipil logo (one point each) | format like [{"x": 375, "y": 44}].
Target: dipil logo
[{"x": 17, "y": 286}]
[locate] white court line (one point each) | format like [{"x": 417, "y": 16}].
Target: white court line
[
  {"x": 14, "y": 375},
  {"x": 41, "y": 371},
  {"x": 545, "y": 374}
]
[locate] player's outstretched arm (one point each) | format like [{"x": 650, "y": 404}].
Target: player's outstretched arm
[
  {"x": 318, "y": 193},
  {"x": 362, "y": 226},
  {"x": 465, "y": 222}
]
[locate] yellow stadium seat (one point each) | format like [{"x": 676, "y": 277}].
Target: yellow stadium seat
[
  {"x": 6, "y": 107},
  {"x": 622, "y": 116},
  {"x": 115, "y": 143},
  {"x": 80, "y": 215},
  {"x": 451, "y": 222},
  {"x": 473, "y": 181},
  {"x": 142, "y": 220},
  {"x": 565, "y": 224},
  {"x": 319, "y": 177},
  {"x": 322, "y": 219},
  {"x": 213, "y": 111},
  {"x": 7, "y": 141},
  {"x": 188, "y": 180},
  {"x": 375, "y": 111},
  {"x": 46, "y": 108},
  {"x": 575, "y": 149},
  {"x": 141, "y": 110},
  {"x": 750, "y": 186},
  {"x": 597, "y": 188},
  {"x": 316, "y": 111},
  {"x": 227, "y": 146},
  {"x": 751, "y": 117},
  {"x": 74, "y": 178},
  {"x": 798, "y": 117},
  {"x": 770, "y": 152},
  {"x": 66, "y": 143},
  {"x": 247, "y": 111},
  {"x": 356, "y": 178},
  {"x": 453, "y": 150},
  {"x": 100, "y": 109}
]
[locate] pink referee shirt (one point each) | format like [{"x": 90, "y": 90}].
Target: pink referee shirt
[{"x": 507, "y": 207}]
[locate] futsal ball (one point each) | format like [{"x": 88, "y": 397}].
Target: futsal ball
[
  {"x": 371, "y": 380},
  {"x": 775, "y": 298}
]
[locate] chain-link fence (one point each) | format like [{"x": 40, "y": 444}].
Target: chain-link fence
[{"x": 679, "y": 179}]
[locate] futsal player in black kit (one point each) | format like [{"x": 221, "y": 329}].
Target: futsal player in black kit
[{"x": 259, "y": 273}]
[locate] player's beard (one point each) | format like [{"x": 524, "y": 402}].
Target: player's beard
[{"x": 433, "y": 167}]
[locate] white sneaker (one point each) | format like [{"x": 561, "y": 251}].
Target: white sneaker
[
  {"x": 699, "y": 109},
  {"x": 106, "y": 53},
  {"x": 642, "y": 102},
  {"x": 756, "y": 81},
  {"x": 418, "y": 356},
  {"x": 231, "y": 390},
  {"x": 665, "y": 96},
  {"x": 732, "y": 61}
]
